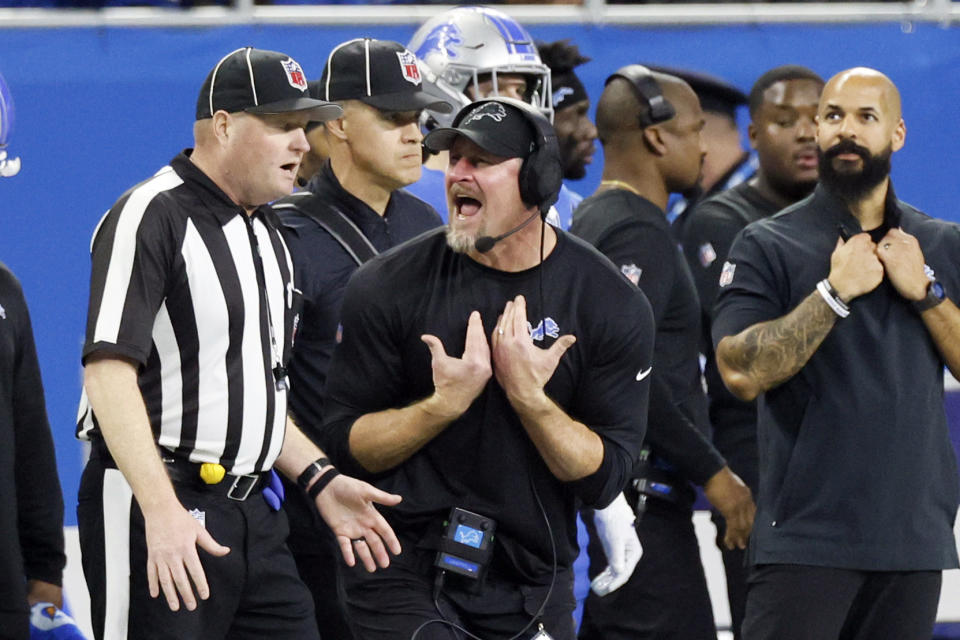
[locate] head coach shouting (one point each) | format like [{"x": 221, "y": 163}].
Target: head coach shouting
[{"x": 490, "y": 369}]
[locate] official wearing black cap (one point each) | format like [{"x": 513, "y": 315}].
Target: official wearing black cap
[
  {"x": 192, "y": 310},
  {"x": 352, "y": 208}
]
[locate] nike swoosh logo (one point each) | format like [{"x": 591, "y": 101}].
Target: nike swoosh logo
[{"x": 643, "y": 374}]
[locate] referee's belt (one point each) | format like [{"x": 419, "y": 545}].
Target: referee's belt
[
  {"x": 235, "y": 487},
  {"x": 188, "y": 474}
]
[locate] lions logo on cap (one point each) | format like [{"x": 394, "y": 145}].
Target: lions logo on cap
[
  {"x": 492, "y": 110},
  {"x": 294, "y": 74},
  {"x": 409, "y": 67}
]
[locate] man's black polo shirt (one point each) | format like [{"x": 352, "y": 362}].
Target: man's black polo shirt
[
  {"x": 322, "y": 267},
  {"x": 857, "y": 470}
]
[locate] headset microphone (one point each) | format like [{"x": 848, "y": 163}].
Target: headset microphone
[{"x": 485, "y": 243}]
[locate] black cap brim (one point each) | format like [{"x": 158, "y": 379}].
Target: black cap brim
[
  {"x": 407, "y": 101},
  {"x": 319, "y": 110},
  {"x": 442, "y": 139}
]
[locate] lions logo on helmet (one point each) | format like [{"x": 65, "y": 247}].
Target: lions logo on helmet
[{"x": 463, "y": 44}]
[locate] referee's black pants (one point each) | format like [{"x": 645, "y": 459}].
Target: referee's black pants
[
  {"x": 802, "y": 602},
  {"x": 666, "y": 598},
  {"x": 397, "y": 603},
  {"x": 255, "y": 592}
]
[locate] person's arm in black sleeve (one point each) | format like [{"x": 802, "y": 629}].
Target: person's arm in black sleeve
[
  {"x": 370, "y": 424},
  {"x": 39, "y": 497},
  {"x": 650, "y": 249},
  {"x": 612, "y": 394},
  {"x": 707, "y": 237},
  {"x": 672, "y": 435}
]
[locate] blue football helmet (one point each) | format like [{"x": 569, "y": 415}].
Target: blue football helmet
[{"x": 462, "y": 46}]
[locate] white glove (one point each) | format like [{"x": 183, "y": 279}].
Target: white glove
[{"x": 620, "y": 544}]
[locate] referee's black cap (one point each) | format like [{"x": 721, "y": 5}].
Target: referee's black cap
[
  {"x": 260, "y": 82},
  {"x": 381, "y": 73},
  {"x": 715, "y": 94}
]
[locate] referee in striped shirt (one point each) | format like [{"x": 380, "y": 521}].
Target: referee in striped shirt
[{"x": 192, "y": 312}]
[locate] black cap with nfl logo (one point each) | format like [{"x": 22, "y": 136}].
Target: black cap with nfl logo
[
  {"x": 381, "y": 73},
  {"x": 262, "y": 83}
]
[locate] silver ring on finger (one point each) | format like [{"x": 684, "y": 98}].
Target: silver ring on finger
[{"x": 886, "y": 245}]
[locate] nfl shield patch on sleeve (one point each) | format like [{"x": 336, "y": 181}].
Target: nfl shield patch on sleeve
[{"x": 726, "y": 276}]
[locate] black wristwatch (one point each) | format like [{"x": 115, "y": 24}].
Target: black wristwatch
[
  {"x": 935, "y": 295},
  {"x": 315, "y": 467}
]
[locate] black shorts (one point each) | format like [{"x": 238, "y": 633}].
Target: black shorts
[{"x": 255, "y": 591}]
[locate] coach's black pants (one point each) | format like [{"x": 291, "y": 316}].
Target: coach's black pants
[
  {"x": 393, "y": 603},
  {"x": 255, "y": 592},
  {"x": 666, "y": 598},
  {"x": 800, "y": 602}
]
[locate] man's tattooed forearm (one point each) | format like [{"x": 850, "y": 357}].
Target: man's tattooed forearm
[{"x": 772, "y": 352}]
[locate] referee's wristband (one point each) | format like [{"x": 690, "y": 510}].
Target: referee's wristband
[
  {"x": 315, "y": 467},
  {"x": 830, "y": 296},
  {"x": 322, "y": 483}
]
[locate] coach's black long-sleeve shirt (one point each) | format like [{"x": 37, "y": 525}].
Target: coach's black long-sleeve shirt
[{"x": 484, "y": 461}]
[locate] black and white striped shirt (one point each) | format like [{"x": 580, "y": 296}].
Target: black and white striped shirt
[{"x": 177, "y": 286}]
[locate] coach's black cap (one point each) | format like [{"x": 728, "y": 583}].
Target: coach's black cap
[
  {"x": 381, "y": 73},
  {"x": 493, "y": 125},
  {"x": 715, "y": 94},
  {"x": 260, "y": 82}
]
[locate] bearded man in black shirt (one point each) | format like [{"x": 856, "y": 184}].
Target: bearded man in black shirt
[
  {"x": 783, "y": 110},
  {"x": 544, "y": 412},
  {"x": 839, "y": 310}
]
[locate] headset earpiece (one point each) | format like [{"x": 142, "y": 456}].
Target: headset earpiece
[
  {"x": 648, "y": 91},
  {"x": 541, "y": 174}
]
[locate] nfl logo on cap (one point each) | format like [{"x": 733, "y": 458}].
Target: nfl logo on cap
[
  {"x": 408, "y": 64},
  {"x": 294, "y": 74}
]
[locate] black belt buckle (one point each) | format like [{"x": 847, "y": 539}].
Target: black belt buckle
[{"x": 242, "y": 486}]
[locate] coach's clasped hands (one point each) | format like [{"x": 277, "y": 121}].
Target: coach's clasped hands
[{"x": 522, "y": 368}]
